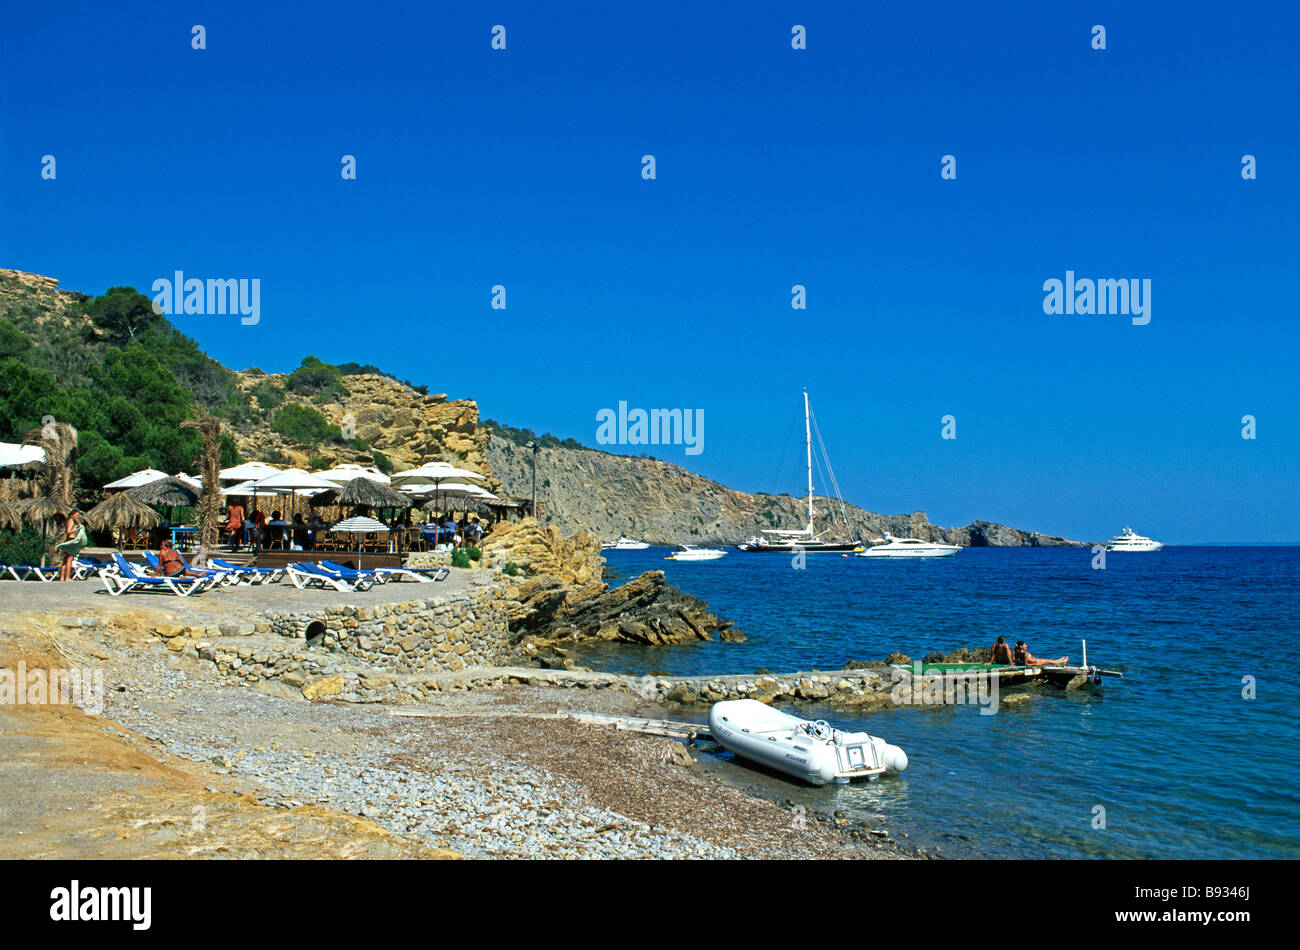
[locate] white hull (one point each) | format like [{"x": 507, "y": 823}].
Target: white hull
[
  {"x": 910, "y": 547},
  {"x": 813, "y": 752},
  {"x": 1130, "y": 540},
  {"x": 625, "y": 544},
  {"x": 696, "y": 554}
]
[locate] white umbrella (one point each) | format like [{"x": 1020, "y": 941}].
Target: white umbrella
[
  {"x": 12, "y": 454},
  {"x": 195, "y": 483},
  {"x": 143, "y": 477},
  {"x": 243, "y": 488},
  {"x": 248, "y": 471},
  {"x": 436, "y": 473},
  {"x": 342, "y": 474},
  {"x": 359, "y": 525},
  {"x": 290, "y": 481}
]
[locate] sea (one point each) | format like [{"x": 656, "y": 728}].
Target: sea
[{"x": 1194, "y": 753}]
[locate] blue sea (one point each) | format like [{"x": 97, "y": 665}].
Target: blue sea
[{"x": 1173, "y": 760}]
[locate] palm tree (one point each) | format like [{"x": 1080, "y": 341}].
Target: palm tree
[
  {"x": 56, "y": 474},
  {"x": 209, "y": 428}
]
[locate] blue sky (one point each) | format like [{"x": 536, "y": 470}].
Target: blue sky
[{"x": 775, "y": 167}]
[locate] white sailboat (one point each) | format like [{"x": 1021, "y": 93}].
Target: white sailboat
[{"x": 788, "y": 540}]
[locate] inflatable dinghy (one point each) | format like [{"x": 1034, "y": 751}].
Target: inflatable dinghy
[{"x": 811, "y": 751}]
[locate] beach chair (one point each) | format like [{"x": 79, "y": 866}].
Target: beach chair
[
  {"x": 84, "y": 566},
  {"x": 20, "y": 572},
  {"x": 254, "y": 575},
  {"x": 129, "y": 577},
  {"x": 305, "y": 574},
  {"x": 226, "y": 578},
  {"x": 424, "y": 575},
  {"x": 379, "y": 575}
]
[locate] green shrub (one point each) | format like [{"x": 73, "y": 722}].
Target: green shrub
[
  {"x": 21, "y": 548},
  {"x": 511, "y": 568},
  {"x": 305, "y": 425},
  {"x": 474, "y": 553},
  {"x": 460, "y": 558},
  {"x": 382, "y": 462},
  {"x": 268, "y": 395}
]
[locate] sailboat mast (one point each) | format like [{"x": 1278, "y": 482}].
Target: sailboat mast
[{"x": 807, "y": 431}]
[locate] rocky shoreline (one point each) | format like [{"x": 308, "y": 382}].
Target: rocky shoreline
[{"x": 483, "y": 770}]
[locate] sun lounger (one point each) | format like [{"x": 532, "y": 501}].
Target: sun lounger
[
  {"x": 84, "y": 566},
  {"x": 255, "y": 575},
  {"x": 130, "y": 577},
  {"x": 226, "y": 578},
  {"x": 304, "y": 574},
  {"x": 20, "y": 572},
  {"x": 425, "y": 575},
  {"x": 352, "y": 573}
]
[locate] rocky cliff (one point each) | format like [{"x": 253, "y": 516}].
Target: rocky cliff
[{"x": 611, "y": 495}]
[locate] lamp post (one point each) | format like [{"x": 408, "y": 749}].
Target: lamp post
[{"x": 535, "y": 447}]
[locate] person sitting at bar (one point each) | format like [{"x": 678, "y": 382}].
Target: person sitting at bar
[
  {"x": 301, "y": 534},
  {"x": 1023, "y": 657}
]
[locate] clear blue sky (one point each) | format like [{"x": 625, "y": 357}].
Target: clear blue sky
[{"x": 775, "y": 167}]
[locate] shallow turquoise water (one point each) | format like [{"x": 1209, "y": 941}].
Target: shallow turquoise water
[{"x": 1183, "y": 765}]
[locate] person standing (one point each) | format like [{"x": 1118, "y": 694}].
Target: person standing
[
  {"x": 235, "y": 523},
  {"x": 74, "y": 539}
]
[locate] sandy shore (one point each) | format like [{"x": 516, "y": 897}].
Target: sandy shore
[{"x": 183, "y": 762}]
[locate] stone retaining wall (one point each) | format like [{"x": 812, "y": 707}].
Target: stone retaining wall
[{"x": 449, "y": 632}]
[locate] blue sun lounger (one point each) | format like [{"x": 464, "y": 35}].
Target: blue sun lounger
[
  {"x": 130, "y": 577},
  {"x": 305, "y": 574},
  {"x": 425, "y": 575},
  {"x": 255, "y": 575},
  {"x": 20, "y": 572}
]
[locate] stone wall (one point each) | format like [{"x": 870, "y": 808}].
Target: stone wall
[{"x": 449, "y": 632}]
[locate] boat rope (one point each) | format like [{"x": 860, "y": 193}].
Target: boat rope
[{"x": 832, "y": 481}]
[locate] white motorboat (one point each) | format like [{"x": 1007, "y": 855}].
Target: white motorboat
[
  {"x": 1130, "y": 540},
  {"x": 688, "y": 552},
  {"x": 812, "y": 751},
  {"x": 909, "y": 547},
  {"x": 625, "y": 544}
]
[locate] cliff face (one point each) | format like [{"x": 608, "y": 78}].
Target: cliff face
[
  {"x": 408, "y": 427},
  {"x": 612, "y": 495}
]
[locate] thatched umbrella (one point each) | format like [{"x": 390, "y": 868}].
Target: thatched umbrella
[
  {"x": 122, "y": 511},
  {"x": 170, "y": 492},
  {"x": 42, "y": 510},
  {"x": 10, "y": 516},
  {"x": 362, "y": 491}
]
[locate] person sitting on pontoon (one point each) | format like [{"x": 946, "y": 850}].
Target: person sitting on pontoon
[
  {"x": 1023, "y": 657},
  {"x": 1001, "y": 652}
]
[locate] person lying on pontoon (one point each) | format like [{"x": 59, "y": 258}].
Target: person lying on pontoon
[
  {"x": 1023, "y": 657},
  {"x": 1001, "y": 652}
]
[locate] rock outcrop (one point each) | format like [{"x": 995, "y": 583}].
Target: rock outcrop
[{"x": 646, "y": 610}]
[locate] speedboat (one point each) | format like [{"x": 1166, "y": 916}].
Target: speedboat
[
  {"x": 1130, "y": 540},
  {"x": 688, "y": 552},
  {"x": 625, "y": 544},
  {"x": 909, "y": 547},
  {"x": 812, "y": 751}
]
